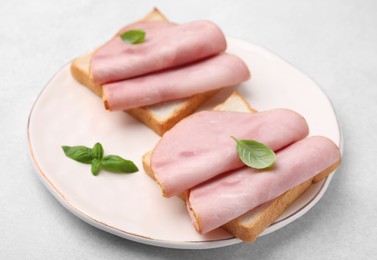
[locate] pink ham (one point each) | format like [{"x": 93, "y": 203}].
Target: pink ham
[
  {"x": 220, "y": 71},
  {"x": 166, "y": 45},
  {"x": 227, "y": 197},
  {"x": 200, "y": 147}
]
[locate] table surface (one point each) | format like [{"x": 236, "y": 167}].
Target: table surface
[{"x": 333, "y": 42}]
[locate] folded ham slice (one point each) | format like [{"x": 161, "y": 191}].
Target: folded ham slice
[
  {"x": 228, "y": 196},
  {"x": 223, "y": 70},
  {"x": 200, "y": 147},
  {"x": 166, "y": 45}
]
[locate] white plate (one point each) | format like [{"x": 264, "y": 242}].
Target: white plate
[{"x": 131, "y": 206}]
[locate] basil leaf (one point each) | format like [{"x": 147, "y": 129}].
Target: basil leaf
[
  {"x": 95, "y": 157},
  {"x": 79, "y": 153},
  {"x": 97, "y": 151},
  {"x": 117, "y": 164},
  {"x": 254, "y": 154},
  {"x": 96, "y": 166},
  {"x": 133, "y": 36}
]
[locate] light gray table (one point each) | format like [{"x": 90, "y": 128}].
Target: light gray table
[{"x": 333, "y": 42}]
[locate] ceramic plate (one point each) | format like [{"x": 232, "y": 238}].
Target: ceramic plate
[{"x": 131, "y": 206}]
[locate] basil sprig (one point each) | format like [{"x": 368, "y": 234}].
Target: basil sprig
[
  {"x": 133, "y": 36},
  {"x": 95, "y": 157},
  {"x": 255, "y": 154}
]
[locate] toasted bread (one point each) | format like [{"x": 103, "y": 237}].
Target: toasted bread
[{"x": 160, "y": 117}]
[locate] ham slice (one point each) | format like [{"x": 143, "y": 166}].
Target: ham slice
[
  {"x": 220, "y": 71},
  {"x": 200, "y": 146},
  {"x": 166, "y": 45},
  {"x": 227, "y": 197}
]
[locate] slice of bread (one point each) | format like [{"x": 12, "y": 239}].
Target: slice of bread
[
  {"x": 250, "y": 225},
  {"x": 160, "y": 117}
]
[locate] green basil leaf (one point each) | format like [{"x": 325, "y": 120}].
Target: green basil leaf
[
  {"x": 255, "y": 154},
  {"x": 79, "y": 153},
  {"x": 96, "y": 166},
  {"x": 133, "y": 36},
  {"x": 117, "y": 164},
  {"x": 97, "y": 151}
]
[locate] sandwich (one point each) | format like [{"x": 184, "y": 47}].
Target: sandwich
[
  {"x": 219, "y": 191},
  {"x": 164, "y": 78}
]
